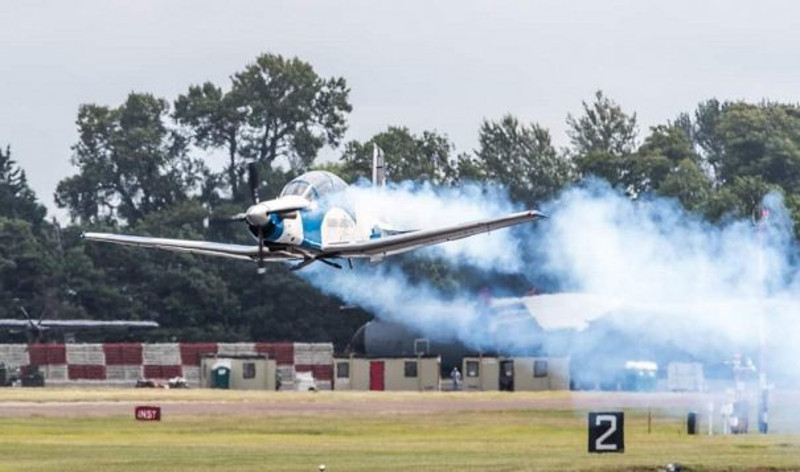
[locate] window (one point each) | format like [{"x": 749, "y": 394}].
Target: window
[
  {"x": 540, "y": 368},
  {"x": 473, "y": 369},
  {"x": 296, "y": 187},
  {"x": 342, "y": 370},
  {"x": 249, "y": 370},
  {"x": 411, "y": 369},
  {"x": 313, "y": 185}
]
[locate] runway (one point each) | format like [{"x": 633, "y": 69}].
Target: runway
[{"x": 336, "y": 403}]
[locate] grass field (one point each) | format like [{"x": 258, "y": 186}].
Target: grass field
[{"x": 374, "y": 433}]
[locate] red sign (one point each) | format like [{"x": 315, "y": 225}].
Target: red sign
[{"x": 148, "y": 413}]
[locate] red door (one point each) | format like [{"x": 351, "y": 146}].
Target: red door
[{"x": 376, "y": 375}]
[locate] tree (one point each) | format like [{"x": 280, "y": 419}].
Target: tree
[
  {"x": 17, "y": 200},
  {"x": 742, "y": 197},
  {"x": 217, "y": 120},
  {"x": 704, "y": 130},
  {"x": 747, "y": 150},
  {"x": 25, "y": 265},
  {"x": 129, "y": 162},
  {"x": 667, "y": 163},
  {"x": 428, "y": 156},
  {"x": 760, "y": 141},
  {"x": 521, "y": 157},
  {"x": 689, "y": 184},
  {"x": 290, "y": 111},
  {"x": 276, "y": 109},
  {"x": 603, "y": 139},
  {"x": 603, "y": 128}
]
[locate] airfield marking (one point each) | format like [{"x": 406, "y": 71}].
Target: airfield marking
[{"x": 324, "y": 404}]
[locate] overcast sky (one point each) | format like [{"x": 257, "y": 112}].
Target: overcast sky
[{"x": 442, "y": 65}]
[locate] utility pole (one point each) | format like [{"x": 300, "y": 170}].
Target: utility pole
[{"x": 763, "y": 388}]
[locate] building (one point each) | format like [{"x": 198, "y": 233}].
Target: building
[
  {"x": 238, "y": 372},
  {"x": 685, "y": 377},
  {"x": 393, "y": 374},
  {"x": 515, "y": 373}
]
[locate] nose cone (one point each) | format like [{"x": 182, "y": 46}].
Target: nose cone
[{"x": 257, "y": 215}]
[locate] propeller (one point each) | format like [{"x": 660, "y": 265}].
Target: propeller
[
  {"x": 35, "y": 328},
  {"x": 258, "y": 230},
  {"x": 37, "y": 325},
  {"x": 252, "y": 181},
  {"x": 262, "y": 269},
  {"x": 262, "y": 217}
]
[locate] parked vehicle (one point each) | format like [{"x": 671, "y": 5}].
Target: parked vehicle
[{"x": 304, "y": 382}]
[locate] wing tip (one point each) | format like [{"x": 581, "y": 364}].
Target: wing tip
[{"x": 90, "y": 236}]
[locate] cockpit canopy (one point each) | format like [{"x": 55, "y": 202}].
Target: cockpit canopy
[{"x": 314, "y": 185}]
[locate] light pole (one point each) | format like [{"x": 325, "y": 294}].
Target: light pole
[{"x": 763, "y": 398}]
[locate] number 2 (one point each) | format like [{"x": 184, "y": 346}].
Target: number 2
[{"x": 612, "y": 428}]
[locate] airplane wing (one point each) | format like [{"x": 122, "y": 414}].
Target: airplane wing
[
  {"x": 15, "y": 323},
  {"x": 233, "y": 251},
  {"x": 4, "y": 323},
  {"x": 380, "y": 247},
  {"x": 83, "y": 324}
]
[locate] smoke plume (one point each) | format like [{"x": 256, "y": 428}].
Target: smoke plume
[{"x": 644, "y": 276}]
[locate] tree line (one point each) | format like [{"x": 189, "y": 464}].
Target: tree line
[{"x": 142, "y": 167}]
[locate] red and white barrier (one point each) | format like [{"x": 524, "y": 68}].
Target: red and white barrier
[
  {"x": 14, "y": 355},
  {"x": 124, "y": 363}
]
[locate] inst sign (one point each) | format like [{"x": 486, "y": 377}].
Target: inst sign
[
  {"x": 148, "y": 413},
  {"x": 606, "y": 432}
]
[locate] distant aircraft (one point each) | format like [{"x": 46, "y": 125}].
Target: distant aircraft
[
  {"x": 305, "y": 224},
  {"x": 35, "y": 329},
  {"x": 506, "y": 329}
]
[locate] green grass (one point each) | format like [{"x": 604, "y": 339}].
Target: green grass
[{"x": 520, "y": 440}]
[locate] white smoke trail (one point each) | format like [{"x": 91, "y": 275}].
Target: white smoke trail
[
  {"x": 667, "y": 276},
  {"x": 653, "y": 251},
  {"x": 407, "y": 206},
  {"x": 387, "y": 292},
  {"x": 710, "y": 288}
]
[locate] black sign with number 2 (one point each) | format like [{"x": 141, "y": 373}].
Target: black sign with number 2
[{"x": 606, "y": 432}]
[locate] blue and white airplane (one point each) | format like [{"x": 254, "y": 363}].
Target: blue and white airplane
[{"x": 306, "y": 224}]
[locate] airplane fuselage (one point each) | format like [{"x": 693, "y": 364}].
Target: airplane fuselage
[{"x": 310, "y": 227}]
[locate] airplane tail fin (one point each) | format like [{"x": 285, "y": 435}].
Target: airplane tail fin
[{"x": 378, "y": 167}]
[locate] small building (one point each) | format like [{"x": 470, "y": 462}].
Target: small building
[
  {"x": 685, "y": 377},
  {"x": 393, "y": 374},
  {"x": 238, "y": 372},
  {"x": 480, "y": 374},
  {"x": 515, "y": 373}
]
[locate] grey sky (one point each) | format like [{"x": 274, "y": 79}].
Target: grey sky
[{"x": 423, "y": 64}]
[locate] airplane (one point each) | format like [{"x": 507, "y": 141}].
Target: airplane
[
  {"x": 35, "y": 329},
  {"x": 306, "y": 225}
]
